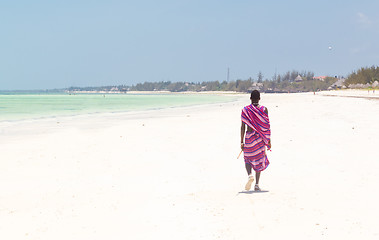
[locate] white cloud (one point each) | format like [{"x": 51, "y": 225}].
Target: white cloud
[
  {"x": 363, "y": 19},
  {"x": 361, "y": 49},
  {"x": 356, "y": 50}
]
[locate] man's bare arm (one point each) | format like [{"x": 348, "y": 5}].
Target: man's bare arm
[
  {"x": 269, "y": 142},
  {"x": 242, "y": 133}
]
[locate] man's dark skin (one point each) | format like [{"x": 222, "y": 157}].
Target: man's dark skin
[{"x": 254, "y": 102}]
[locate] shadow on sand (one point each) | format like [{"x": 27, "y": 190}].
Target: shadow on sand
[{"x": 252, "y": 192}]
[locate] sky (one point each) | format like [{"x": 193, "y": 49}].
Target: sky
[{"x": 46, "y": 44}]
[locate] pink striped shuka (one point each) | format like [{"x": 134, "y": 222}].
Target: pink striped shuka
[{"x": 257, "y": 140}]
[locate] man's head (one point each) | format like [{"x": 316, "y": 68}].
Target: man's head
[{"x": 255, "y": 96}]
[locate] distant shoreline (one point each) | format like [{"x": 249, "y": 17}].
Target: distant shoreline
[
  {"x": 65, "y": 91},
  {"x": 35, "y": 106},
  {"x": 367, "y": 94}
]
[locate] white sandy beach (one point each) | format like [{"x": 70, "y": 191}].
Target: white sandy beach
[{"x": 173, "y": 174}]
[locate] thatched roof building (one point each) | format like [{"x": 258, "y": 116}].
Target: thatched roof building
[{"x": 298, "y": 78}]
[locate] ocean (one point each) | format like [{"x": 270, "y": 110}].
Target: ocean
[{"x": 25, "y": 106}]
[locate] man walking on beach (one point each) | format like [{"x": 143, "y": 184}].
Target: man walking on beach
[{"x": 257, "y": 138}]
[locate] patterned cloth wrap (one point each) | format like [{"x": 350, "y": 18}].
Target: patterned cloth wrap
[{"x": 257, "y": 140}]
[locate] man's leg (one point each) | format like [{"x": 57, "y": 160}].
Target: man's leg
[
  {"x": 248, "y": 168},
  {"x": 257, "y": 176},
  {"x": 251, "y": 178}
]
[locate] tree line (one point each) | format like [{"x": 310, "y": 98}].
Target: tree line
[
  {"x": 365, "y": 76},
  {"x": 278, "y": 83}
]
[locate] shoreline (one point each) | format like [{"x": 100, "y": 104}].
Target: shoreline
[
  {"x": 5, "y": 125},
  {"x": 367, "y": 94},
  {"x": 53, "y": 123},
  {"x": 121, "y": 105}
]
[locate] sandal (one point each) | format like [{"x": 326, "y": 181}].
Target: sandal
[
  {"x": 249, "y": 182},
  {"x": 256, "y": 188}
]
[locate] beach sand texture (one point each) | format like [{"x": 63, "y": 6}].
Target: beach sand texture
[{"x": 173, "y": 173}]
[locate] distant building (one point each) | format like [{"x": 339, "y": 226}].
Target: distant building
[
  {"x": 367, "y": 85},
  {"x": 298, "y": 78},
  {"x": 255, "y": 86},
  {"x": 338, "y": 84},
  {"x": 321, "y": 78}
]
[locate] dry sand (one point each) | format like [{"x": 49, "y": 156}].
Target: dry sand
[{"x": 173, "y": 174}]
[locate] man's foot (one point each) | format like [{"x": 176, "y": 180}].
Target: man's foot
[
  {"x": 256, "y": 188},
  {"x": 249, "y": 182}
]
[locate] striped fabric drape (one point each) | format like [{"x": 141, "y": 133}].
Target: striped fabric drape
[{"x": 256, "y": 140}]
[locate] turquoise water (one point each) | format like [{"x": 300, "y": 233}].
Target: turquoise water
[{"x": 30, "y": 106}]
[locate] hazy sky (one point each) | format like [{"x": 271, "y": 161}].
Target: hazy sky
[{"x": 56, "y": 44}]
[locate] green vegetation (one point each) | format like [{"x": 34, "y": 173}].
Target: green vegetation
[
  {"x": 364, "y": 77},
  {"x": 238, "y": 85},
  {"x": 278, "y": 83},
  {"x": 291, "y": 81}
]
